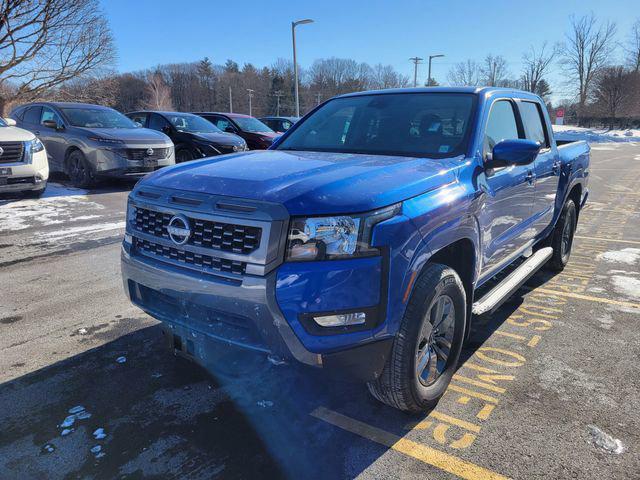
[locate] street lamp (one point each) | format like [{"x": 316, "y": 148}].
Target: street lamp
[
  {"x": 250, "y": 97},
  {"x": 431, "y": 57},
  {"x": 295, "y": 62}
]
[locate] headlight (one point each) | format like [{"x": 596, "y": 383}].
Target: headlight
[
  {"x": 340, "y": 236},
  {"x": 36, "y": 145},
  {"x": 108, "y": 141}
]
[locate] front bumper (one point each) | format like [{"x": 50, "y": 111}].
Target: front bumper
[
  {"x": 201, "y": 311},
  {"x": 26, "y": 176},
  {"x": 108, "y": 162}
]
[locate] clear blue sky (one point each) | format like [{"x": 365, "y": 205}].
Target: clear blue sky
[{"x": 149, "y": 33}]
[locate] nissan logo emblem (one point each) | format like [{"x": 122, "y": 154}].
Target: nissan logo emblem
[
  {"x": 1, "y": 151},
  {"x": 179, "y": 230},
  {"x": 149, "y": 151}
]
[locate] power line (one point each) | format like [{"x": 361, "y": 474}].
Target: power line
[{"x": 416, "y": 61}]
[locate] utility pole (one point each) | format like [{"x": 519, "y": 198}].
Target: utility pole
[
  {"x": 430, "y": 58},
  {"x": 230, "y": 101},
  {"x": 295, "y": 61},
  {"x": 318, "y": 98},
  {"x": 250, "y": 97},
  {"x": 416, "y": 61},
  {"x": 278, "y": 94}
]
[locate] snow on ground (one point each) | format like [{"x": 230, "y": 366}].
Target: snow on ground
[
  {"x": 595, "y": 135},
  {"x": 630, "y": 256},
  {"x": 54, "y": 207}
]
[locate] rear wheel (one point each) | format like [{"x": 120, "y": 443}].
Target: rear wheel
[
  {"x": 79, "y": 170},
  {"x": 426, "y": 350},
  {"x": 562, "y": 237}
]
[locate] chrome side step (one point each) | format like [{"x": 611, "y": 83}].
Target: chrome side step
[{"x": 507, "y": 287}]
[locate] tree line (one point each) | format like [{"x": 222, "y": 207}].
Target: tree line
[{"x": 64, "y": 50}]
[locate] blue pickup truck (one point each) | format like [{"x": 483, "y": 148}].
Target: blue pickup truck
[{"x": 363, "y": 241}]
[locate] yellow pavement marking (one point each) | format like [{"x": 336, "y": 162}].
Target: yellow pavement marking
[
  {"x": 430, "y": 456},
  {"x": 454, "y": 421},
  {"x": 534, "y": 341},
  {"x": 614, "y": 240},
  {"x": 580, "y": 296},
  {"x": 476, "y": 383},
  {"x": 472, "y": 393}
]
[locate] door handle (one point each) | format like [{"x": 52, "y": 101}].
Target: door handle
[
  {"x": 556, "y": 167},
  {"x": 530, "y": 177}
]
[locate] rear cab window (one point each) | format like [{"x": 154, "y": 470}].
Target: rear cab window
[{"x": 534, "y": 124}]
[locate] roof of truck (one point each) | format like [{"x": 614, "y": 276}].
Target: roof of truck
[{"x": 475, "y": 90}]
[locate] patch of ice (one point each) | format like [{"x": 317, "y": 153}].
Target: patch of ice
[
  {"x": 630, "y": 256},
  {"x": 265, "y": 403},
  {"x": 76, "y": 409},
  {"x": 82, "y": 331},
  {"x": 605, "y": 441},
  {"x": 100, "y": 455},
  {"x": 95, "y": 450},
  {"x": 66, "y": 432},
  {"x": 276, "y": 360},
  {"x": 69, "y": 421},
  {"x": 627, "y": 286},
  {"x": 156, "y": 375},
  {"x": 80, "y": 231},
  {"x": 49, "y": 448},
  {"x": 99, "y": 434},
  {"x": 121, "y": 359}
]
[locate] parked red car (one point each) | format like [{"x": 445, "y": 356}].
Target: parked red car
[{"x": 257, "y": 135}]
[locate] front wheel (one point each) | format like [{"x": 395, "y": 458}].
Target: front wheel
[
  {"x": 562, "y": 237},
  {"x": 79, "y": 170},
  {"x": 427, "y": 347}
]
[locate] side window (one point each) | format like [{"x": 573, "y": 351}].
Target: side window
[
  {"x": 220, "y": 122},
  {"x": 534, "y": 123},
  {"x": 141, "y": 118},
  {"x": 501, "y": 125},
  {"x": 32, "y": 115},
  {"x": 48, "y": 114},
  {"x": 286, "y": 125},
  {"x": 156, "y": 122}
]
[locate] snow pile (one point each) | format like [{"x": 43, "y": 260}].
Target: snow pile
[
  {"x": 594, "y": 135},
  {"x": 630, "y": 256},
  {"x": 605, "y": 441}
]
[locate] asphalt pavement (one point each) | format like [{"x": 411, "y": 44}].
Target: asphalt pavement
[{"x": 549, "y": 386}]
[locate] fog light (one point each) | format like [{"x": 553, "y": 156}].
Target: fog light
[{"x": 341, "y": 320}]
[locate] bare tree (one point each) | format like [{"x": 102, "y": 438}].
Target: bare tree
[
  {"x": 536, "y": 64},
  {"x": 633, "y": 48},
  {"x": 612, "y": 90},
  {"x": 493, "y": 72},
  {"x": 586, "y": 51},
  {"x": 157, "y": 93},
  {"x": 44, "y": 43},
  {"x": 464, "y": 74}
]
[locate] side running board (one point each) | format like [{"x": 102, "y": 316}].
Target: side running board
[{"x": 507, "y": 287}]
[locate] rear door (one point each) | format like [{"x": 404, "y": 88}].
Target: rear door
[
  {"x": 508, "y": 203},
  {"x": 547, "y": 163}
]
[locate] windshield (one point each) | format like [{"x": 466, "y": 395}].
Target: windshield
[
  {"x": 192, "y": 124},
  {"x": 3, "y": 123},
  {"x": 432, "y": 125},
  {"x": 97, "y": 118},
  {"x": 250, "y": 124}
]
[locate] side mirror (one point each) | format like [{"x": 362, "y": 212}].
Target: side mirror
[
  {"x": 52, "y": 124},
  {"x": 10, "y": 121},
  {"x": 166, "y": 130},
  {"x": 513, "y": 152},
  {"x": 229, "y": 129}
]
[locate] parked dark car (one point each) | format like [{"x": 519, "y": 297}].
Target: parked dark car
[
  {"x": 279, "y": 124},
  {"x": 257, "y": 135},
  {"x": 89, "y": 142},
  {"x": 192, "y": 136}
]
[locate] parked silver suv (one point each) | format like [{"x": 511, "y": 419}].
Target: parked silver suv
[{"x": 90, "y": 141}]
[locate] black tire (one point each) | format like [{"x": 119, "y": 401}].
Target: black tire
[
  {"x": 562, "y": 237},
  {"x": 400, "y": 384},
  {"x": 79, "y": 171},
  {"x": 34, "y": 193},
  {"x": 183, "y": 155}
]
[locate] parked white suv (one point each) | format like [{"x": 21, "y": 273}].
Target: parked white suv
[{"x": 23, "y": 160}]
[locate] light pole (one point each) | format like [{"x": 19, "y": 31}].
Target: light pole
[
  {"x": 416, "y": 61},
  {"x": 430, "y": 58},
  {"x": 277, "y": 94},
  {"x": 295, "y": 62},
  {"x": 318, "y": 98},
  {"x": 230, "y": 101},
  {"x": 250, "y": 97}
]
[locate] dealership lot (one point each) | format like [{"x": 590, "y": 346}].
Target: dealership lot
[{"x": 544, "y": 381}]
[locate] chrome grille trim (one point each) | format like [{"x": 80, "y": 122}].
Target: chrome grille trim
[{"x": 12, "y": 152}]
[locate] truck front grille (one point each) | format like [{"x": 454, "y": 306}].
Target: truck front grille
[
  {"x": 190, "y": 259},
  {"x": 11, "y": 152},
  {"x": 145, "y": 153},
  {"x": 227, "y": 237}
]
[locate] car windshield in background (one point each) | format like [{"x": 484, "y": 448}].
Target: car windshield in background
[
  {"x": 249, "y": 124},
  {"x": 192, "y": 124},
  {"x": 3, "y": 123},
  {"x": 97, "y": 118},
  {"x": 407, "y": 124}
]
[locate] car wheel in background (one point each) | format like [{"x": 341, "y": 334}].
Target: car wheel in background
[
  {"x": 183, "y": 155},
  {"x": 427, "y": 347},
  {"x": 562, "y": 237},
  {"x": 79, "y": 171}
]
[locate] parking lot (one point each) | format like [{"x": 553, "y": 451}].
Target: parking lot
[{"x": 547, "y": 385}]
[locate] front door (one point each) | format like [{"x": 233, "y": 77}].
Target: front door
[
  {"x": 509, "y": 193},
  {"x": 53, "y": 140}
]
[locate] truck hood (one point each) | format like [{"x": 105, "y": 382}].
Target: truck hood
[
  {"x": 15, "y": 134},
  {"x": 130, "y": 135},
  {"x": 309, "y": 183}
]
